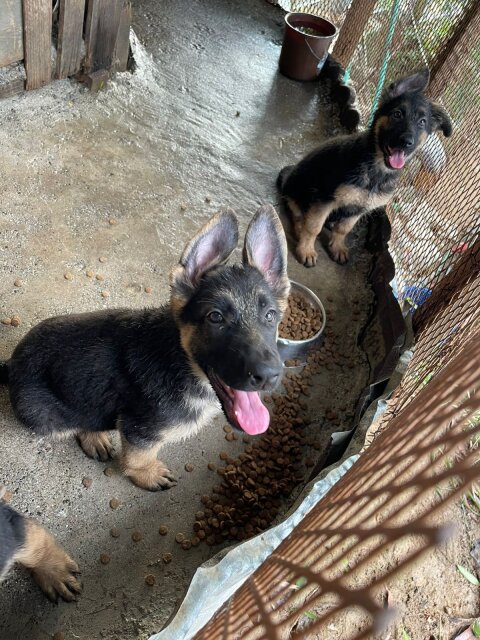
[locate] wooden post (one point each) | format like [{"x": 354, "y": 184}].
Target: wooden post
[
  {"x": 70, "y": 32},
  {"x": 122, "y": 46},
  {"x": 352, "y": 30},
  {"x": 463, "y": 40},
  {"x": 102, "y": 25},
  {"x": 11, "y": 32},
  {"x": 37, "y": 29}
]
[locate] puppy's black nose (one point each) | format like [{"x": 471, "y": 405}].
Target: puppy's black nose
[
  {"x": 264, "y": 377},
  {"x": 407, "y": 140}
]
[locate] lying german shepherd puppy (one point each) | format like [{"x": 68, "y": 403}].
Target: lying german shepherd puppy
[
  {"x": 24, "y": 541},
  {"x": 354, "y": 174},
  {"x": 161, "y": 374}
]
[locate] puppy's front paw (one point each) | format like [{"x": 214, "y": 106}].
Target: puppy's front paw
[
  {"x": 56, "y": 574},
  {"x": 338, "y": 251},
  {"x": 96, "y": 444},
  {"x": 306, "y": 256},
  {"x": 153, "y": 477}
]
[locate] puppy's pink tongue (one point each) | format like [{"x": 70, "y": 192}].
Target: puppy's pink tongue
[
  {"x": 252, "y": 415},
  {"x": 397, "y": 159}
]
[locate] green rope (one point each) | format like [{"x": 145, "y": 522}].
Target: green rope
[{"x": 386, "y": 58}]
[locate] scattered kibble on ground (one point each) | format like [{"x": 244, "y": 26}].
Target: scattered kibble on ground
[
  {"x": 114, "y": 503},
  {"x": 162, "y": 530},
  {"x": 167, "y": 557},
  {"x": 189, "y": 467},
  {"x": 108, "y": 471},
  {"x": 68, "y": 275},
  {"x": 150, "y": 580},
  {"x": 15, "y": 321},
  {"x": 104, "y": 558},
  {"x": 115, "y": 532},
  {"x": 87, "y": 482},
  {"x": 137, "y": 536},
  {"x": 18, "y": 282}
]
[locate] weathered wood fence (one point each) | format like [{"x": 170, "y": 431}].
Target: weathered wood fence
[{"x": 45, "y": 40}]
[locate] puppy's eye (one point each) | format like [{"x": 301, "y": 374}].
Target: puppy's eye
[
  {"x": 215, "y": 317},
  {"x": 422, "y": 122},
  {"x": 270, "y": 315},
  {"x": 397, "y": 114}
]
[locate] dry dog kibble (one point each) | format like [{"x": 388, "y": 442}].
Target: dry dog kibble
[
  {"x": 105, "y": 294},
  {"x": 100, "y": 277},
  {"x": 186, "y": 544},
  {"x": 223, "y": 455},
  {"x": 189, "y": 467},
  {"x": 229, "y": 437},
  {"x": 7, "y": 496},
  {"x": 102, "y": 259},
  {"x": 68, "y": 275},
  {"x": 104, "y": 558},
  {"x": 150, "y": 580},
  {"x": 87, "y": 482},
  {"x": 15, "y": 321},
  {"x": 18, "y": 282},
  {"x": 108, "y": 471},
  {"x": 179, "y": 537},
  {"x": 89, "y": 273},
  {"x": 167, "y": 557},
  {"x": 212, "y": 466},
  {"x": 195, "y": 541},
  {"x": 112, "y": 221},
  {"x": 58, "y": 635},
  {"x": 162, "y": 530},
  {"x": 114, "y": 532},
  {"x": 114, "y": 503},
  {"x": 6, "y": 321},
  {"x": 148, "y": 290},
  {"x": 301, "y": 320},
  {"x": 137, "y": 536},
  {"x": 227, "y": 428}
]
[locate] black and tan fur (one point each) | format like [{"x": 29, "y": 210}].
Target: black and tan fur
[
  {"x": 26, "y": 542},
  {"x": 159, "y": 375},
  {"x": 351, "y": 175}
]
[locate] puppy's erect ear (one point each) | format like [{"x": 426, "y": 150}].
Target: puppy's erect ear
[
  {"x": 212, "y": 246},
  {"x": 441, "y": 120},
  {"x": 266, "y": 249},
  {"x": 410, "y": 84}
]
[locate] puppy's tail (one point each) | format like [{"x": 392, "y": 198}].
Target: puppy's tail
[
  {"x": 282, "y": 177},
  {"x": 3, "y": 371}
]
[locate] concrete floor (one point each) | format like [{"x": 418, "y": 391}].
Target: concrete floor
[{"x": 206, "y": 115}]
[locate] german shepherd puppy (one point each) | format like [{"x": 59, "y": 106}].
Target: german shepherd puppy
[
  {"x": 159, "y": 375},
  {"x": 354, "y": 174},
  {"x": 25, "y": 541}
]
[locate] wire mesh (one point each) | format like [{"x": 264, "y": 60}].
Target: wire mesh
[
  {"x": 423, "y": 452},
  {"x": 426, "y": 457}
]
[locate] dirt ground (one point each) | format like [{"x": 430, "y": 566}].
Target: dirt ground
[{"x": 206, "y": 121}]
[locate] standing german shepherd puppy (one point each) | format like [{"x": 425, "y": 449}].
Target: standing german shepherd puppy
[
  {"x": 357, "y": 173},
  {"x": 161, "y": 374},
  {"x": 24, "y": 541}
]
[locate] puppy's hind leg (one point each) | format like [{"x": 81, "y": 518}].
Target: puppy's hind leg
[
  {"x": 52, "y": 568},
  {"x": 96, "y": 444},
  {"x": 337, "y": 247}
]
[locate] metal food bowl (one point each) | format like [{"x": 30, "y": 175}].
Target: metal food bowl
[{"x": 299, "y": 349}]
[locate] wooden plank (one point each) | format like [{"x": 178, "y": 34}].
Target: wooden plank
[
  {"x": 103, "y": 22},
  {"x": 12, "y": 88},
  {"x": 37, "y": 29},
  {"x": 11, "y": 32},
  {"x": 352, "y": 30},
  {"x": 122, "y": 46},
  {"x": 448, "y": 61},
  {"x": 70, "y": 37}
]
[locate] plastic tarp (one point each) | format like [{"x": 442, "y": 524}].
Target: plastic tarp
[{"x": 216, "y": 580}]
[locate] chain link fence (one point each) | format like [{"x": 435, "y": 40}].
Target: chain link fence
[{"x": 423, "y": 453}]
